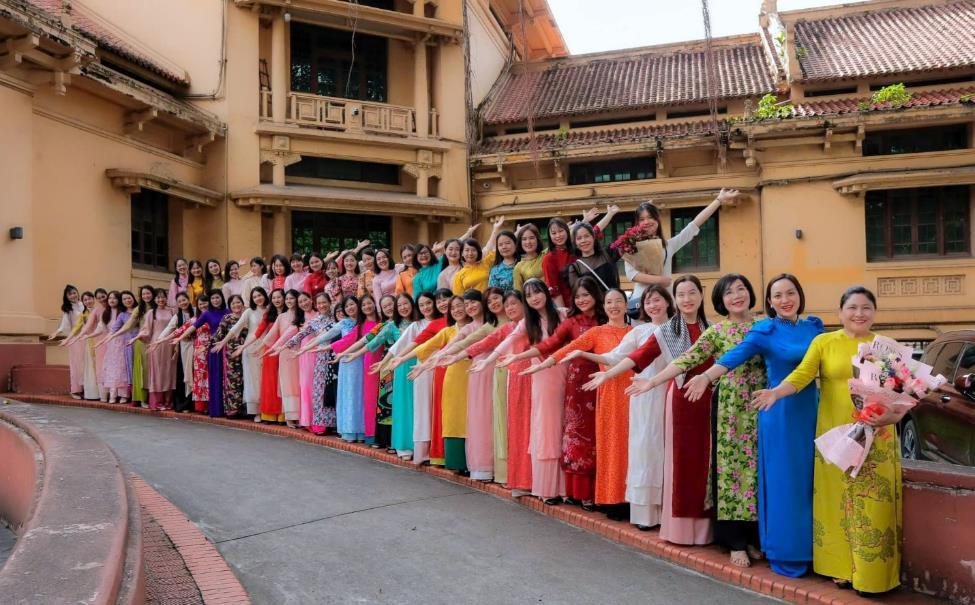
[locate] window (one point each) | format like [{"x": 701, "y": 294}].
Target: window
[
  {"x": 613, "y": 171},
  {"x": 916, "y": 140},
  {"x": 150, "y": 230},
  {"x": 345, "y": 170},
  {"x": 701, "y": 254},
  {"x": 325, "y": 62},
  {"x": 928, "y": 222},
  {"x": 947, "y": 360},
  {"x": 966, "y": 365},
  {"x": 325, "y": 231}
]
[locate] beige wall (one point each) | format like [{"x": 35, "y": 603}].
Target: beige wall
[
  {"x": 161, "y": 28},
  {"x": 489, "y": 49}
]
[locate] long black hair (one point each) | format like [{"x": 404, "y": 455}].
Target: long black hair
[
  {"x": 436, "y": 314},
  {"x": 589, "y": 284},
  {"x": 227, "y": 268},
  {"x": 267, "y": 299},
  {"x": 270, "y": 266},
  {"x": 444, "y": 263},
  {"x": 207, "y": 277},
  {"x": 107, "y": 313},
  {"x": 533, "y": 319},
  {"x": 597, "y": 248},
  {"x": 561, "y": 224},
  {"x": 176, "y": 273},
  {"x": 654, "y": 213},
  {"x": 65, "y": 303},
  {"x": 272, "y": 312},
  {"x": 414, "y": 310},
  {"x": 299, "y": 313},
  {"x": 510, "y": 235},
  {"x": 217, "y": 292}
]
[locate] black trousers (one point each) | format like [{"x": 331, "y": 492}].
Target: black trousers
[{"x": 181, "y": 401}]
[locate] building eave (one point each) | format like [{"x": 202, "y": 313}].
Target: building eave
[
  {"x": 132, "y": 182},
  {"x": 342, "y": 199},
  {"x": 873, "y": 180}
]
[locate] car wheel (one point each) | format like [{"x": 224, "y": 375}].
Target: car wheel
[{"x": 910, "y": 445}]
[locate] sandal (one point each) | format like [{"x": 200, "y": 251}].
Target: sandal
[
  {"x": 552, "y": 501},
  {"x": 754, "y": 553},
  {"x": 843, "y": 584},
  {"x": 588, "y": 506},
  {"x": 739, "y": 558}
]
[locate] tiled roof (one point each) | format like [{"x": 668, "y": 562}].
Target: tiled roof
[
  {"x": 548, "y": 140},
  {"x": 919, "y": 99},
  {"x": 893, "y": 41},
  {"x": 108, "y": 40},
  {"x": 634, "y": 80}
]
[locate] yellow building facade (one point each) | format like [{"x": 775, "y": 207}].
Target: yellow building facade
[{"x": 838, "y": 186}]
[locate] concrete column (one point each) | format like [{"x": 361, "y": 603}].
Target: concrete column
[
  {"x": 423, "y": 183},
  {"x": 277, "y": 172},
  {"x": 280, "y": 242},
  {"x": 419, "y": 7},
  {"x": 279, "y": 69},
  {"x": 421, "y": 91},
  {"x": 423, "y": 231}
]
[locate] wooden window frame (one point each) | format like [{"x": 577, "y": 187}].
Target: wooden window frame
[
  {"x": 149, "y": 207},
  {"x": 888, "y": 227},
  {"x": 880, "y": 142},
  {"x": 584, "y": 173},
  {"x": 694, "y": 246},
  {"x": 370, "y": 52},
  {"x": 347, "y": 228}
]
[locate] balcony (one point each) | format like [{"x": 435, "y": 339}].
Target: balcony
[{"x": 348, "y": 115}]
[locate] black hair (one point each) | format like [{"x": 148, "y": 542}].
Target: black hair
[
  {"x": 597, "y": 248},
  {"x": 529, "y": 228},
  {"x": 588, "y": 284},
  {"x": 414, "y": 263},
  {"x": 701, "y": 317},
  {"x": 235, "y": 296},
  {"x": 854, "y": 290},
  {"x": 260, "y": 261},
  {"x": 284, "y": 261},
  {"x": 444, "y": 263},
  {"x": 414, "y": 311},
  {"x": 107, "y": 313},
  {"x": 226, "y": 269},
  {"x": 382, "y": 314},
  {"x": 190, "y": 310},
  {"x": 436, "y": 312},
  {"x": 489, "y": 317},
  {"x": 654, "y": 213},
  {"x": 101, "y": 290},
  {"x": 510, "y": 235},
  {"x": 142, "y": 305},
  {"x": 359, "y": 317},
  {"x": 726, "y": 281},
  {"x": 65, "y": 303},
  {"x": 416, "y": 256},
  {"x": 176, "y": 273},
  {"x": 626, "y": 318},
  {"x": 87, "y": 293},
  {"x": 122, "y": 304},
  {"x": 260, "y": 290},
  {"x": 297, "y": 256},
  {"x": 560, "y": 223},
  {"x": 191, "y": 279},
  {"x": 217, "y": 292},
  {"x": 375, "y": 304},
  {"x": 664, "y": 293},
  {"x": 473, "y": 243},
  {"x": 272, "y": 311},
  {"x": 389, "y": 260},
  {"x": 299, "y": 313},
  {"x": 450, "y": 314},
  {"x": 341, "y": 263},
  {"x": 207, "y": 277},
  {"x": 533, "y": 319},
  {"x": 769, "y": 310},
  {"x": 441, "y": 293},
  {"x": 491, "y": 291}
]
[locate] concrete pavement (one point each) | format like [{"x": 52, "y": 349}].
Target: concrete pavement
[{"x": 305, "y": 524}]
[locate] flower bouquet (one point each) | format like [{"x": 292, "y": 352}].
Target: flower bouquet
[
  {"x": 885, "y": 378},
  {"x": 641, "y": 248}
]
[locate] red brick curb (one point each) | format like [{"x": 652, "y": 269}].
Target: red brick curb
[
  {"x": 217, "y": 583},
  {"x": 711, "y": 561}
]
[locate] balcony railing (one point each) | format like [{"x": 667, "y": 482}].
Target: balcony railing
[{"x": 348, "y": 115}]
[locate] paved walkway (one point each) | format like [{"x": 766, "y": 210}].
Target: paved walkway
[
  {"x": 7, "y": 541},
  {"x": 306, "y": 524}
]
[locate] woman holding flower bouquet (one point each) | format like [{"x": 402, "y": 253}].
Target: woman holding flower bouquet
[
  {"x": 856, "y": 521},
  {"x": 648, "y": 217}
]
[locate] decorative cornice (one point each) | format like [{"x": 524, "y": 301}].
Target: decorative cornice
[
  {"x": 132, "y": 182},
  {"x": 860, "y": 183}
]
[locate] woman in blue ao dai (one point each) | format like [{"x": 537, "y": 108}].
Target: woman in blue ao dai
[{"x": 786, "y": 431}]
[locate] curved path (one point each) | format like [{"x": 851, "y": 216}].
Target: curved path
[{"x": 301, "y": 523}]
